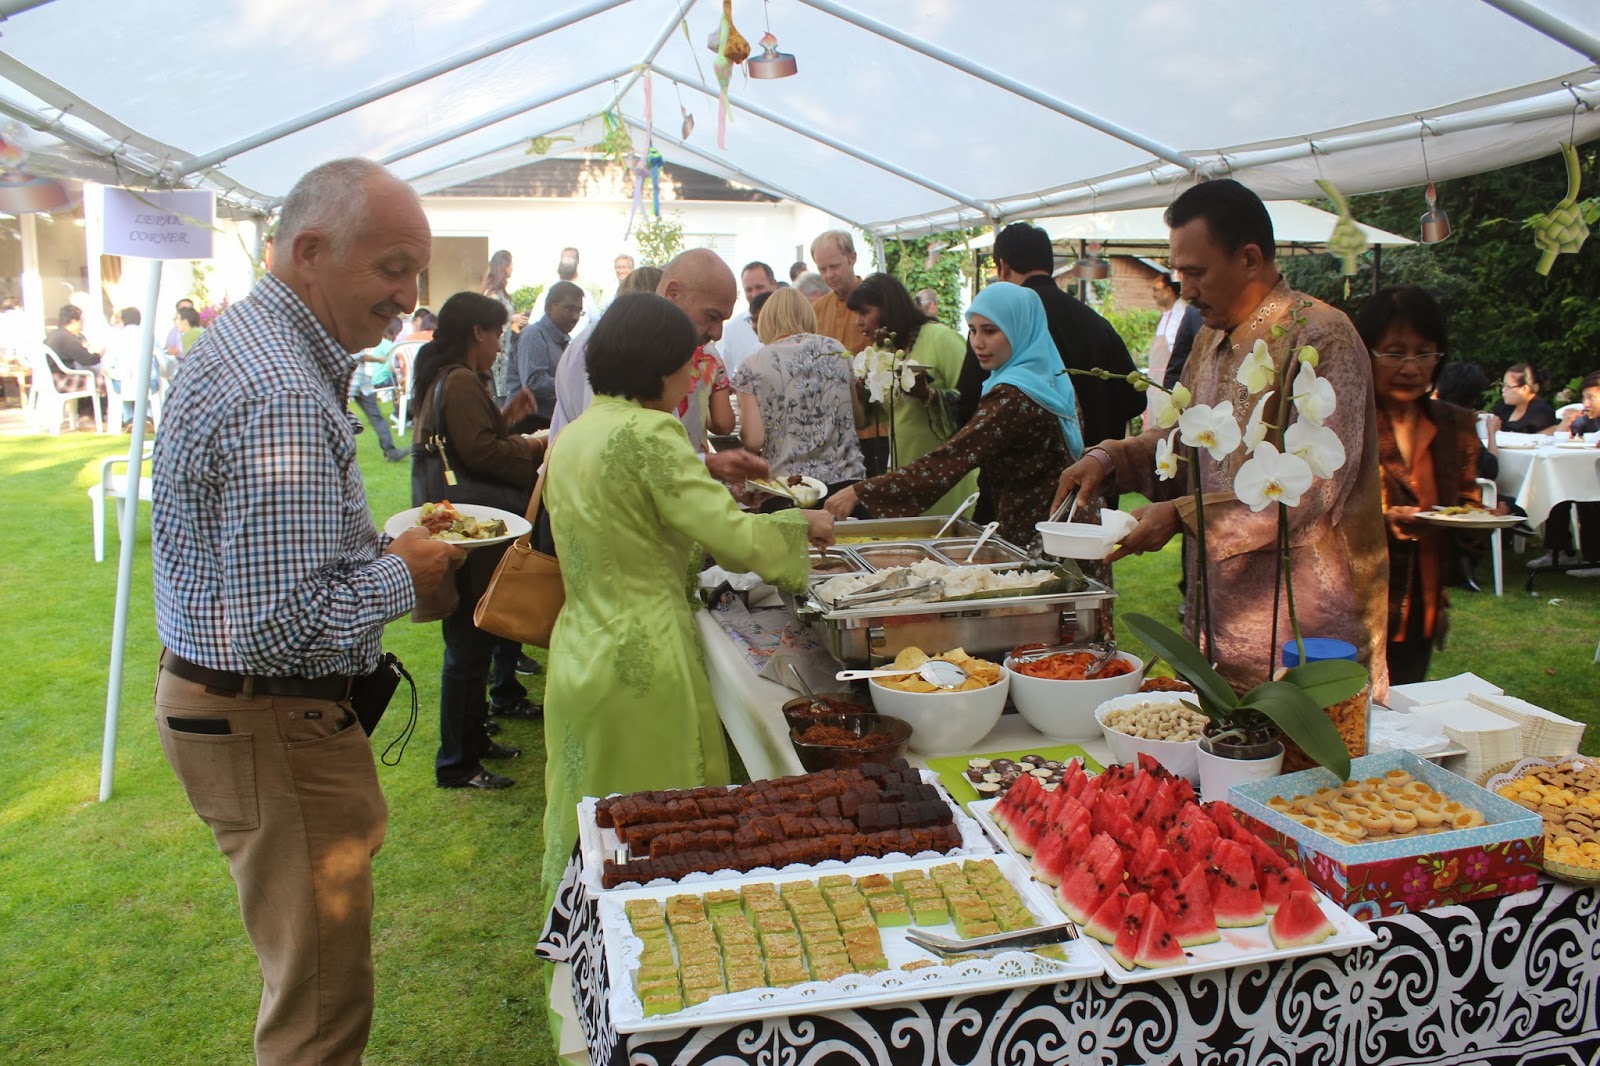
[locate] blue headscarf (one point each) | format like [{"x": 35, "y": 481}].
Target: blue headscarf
[{"x": 1035, "y": 365}]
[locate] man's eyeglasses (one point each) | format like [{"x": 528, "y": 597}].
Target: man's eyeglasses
[{"x": 1401, "y": 359}]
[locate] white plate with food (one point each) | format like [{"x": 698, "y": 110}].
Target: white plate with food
[
  {"x": 466, "y": 524},
  {"x": 804, "y": 491},
  {"x": 1469, "y": 518},
  {"x": 1575, "y": 445}
]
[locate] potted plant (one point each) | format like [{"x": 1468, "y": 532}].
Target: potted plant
[{"x": 1285, "y": 458}]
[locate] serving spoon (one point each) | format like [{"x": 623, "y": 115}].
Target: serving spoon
[{"x": 939, "y": 673}]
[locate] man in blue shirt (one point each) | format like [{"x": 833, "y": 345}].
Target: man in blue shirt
[
  {"x": 272, "y": 588},
  {"x": 539, "y": 349}
]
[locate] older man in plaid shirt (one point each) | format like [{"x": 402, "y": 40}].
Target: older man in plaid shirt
[{"x": 272, "y": 590}]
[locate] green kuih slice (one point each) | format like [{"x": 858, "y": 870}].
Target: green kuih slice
[{"x": 1299, "y": 922}]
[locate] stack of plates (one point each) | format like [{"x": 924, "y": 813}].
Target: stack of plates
[
  {"x": 1544, "y": 733},
  {"x": 1489, "y": 738}
]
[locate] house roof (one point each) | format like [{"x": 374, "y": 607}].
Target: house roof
[
  {"x": 599, "y": 177},
  {"x": 907, "y": 116}
]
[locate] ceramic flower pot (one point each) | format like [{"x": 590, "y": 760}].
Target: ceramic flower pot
[{"x": 1220, "y": 772}]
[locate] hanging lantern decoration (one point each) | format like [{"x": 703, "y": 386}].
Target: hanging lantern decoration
[
  {"x": 1435, "y": 223},
  {"x": 731, "y": 49},
  {"x": 1092, "y": 267},
  {"x": 1563, "y": 229},
  {"x": 22, "y": 193},
  {"x": 1348, "y": 240},
  {"x": 772, "y": 63}
]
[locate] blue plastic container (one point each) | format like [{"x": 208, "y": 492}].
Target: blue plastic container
[{"x": 1319, "y": 649}]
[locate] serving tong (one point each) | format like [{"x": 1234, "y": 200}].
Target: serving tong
[
  {"x": 1043, "y": 936},
  {"x": 894, "y": 587}
]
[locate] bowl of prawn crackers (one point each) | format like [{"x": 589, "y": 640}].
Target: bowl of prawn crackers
[
  {"x": 943, "y": 721},
  {"x": 1053, "y": 695}
]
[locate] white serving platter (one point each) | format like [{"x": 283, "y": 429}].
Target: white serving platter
[
  {"x": 1011, "y": 969},
  {"x": 596, "y": 844},
  {"x": 1238, "y": 947}
]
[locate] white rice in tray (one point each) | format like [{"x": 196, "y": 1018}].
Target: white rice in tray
[{"x": 958, "y": 581}]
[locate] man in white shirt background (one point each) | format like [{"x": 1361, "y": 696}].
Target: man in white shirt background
[
  {"x": 1165, "y": 343},
  {"x": 739, "y": 341}
]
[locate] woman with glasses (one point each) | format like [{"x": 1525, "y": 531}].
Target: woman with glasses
[
  {"x": 1427, "y": 456},
  {"x": 1523, "y": 410}
]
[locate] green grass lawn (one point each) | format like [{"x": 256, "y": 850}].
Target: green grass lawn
[{"x": 119, "y": 930}]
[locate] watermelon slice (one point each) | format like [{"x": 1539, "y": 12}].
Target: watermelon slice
[
  {"x": 1050, "y": 857},
  {"x": 1193, "y": 844},
  {"x": 1130, "y": 933},
  {"x": 1299, "y": 922},
  {"x": 1016, "y": 802},
  {"x": 1106, "y": 921},
  {"x": 1190, "y": 916},
  {"x": 1277, "y": 879},
  {"x": 1084, "y": 889},
  {"x": 1027, "y": 831},
  {"x": 1234, "y": 892},
  {"x": 1157, "y": 947}
]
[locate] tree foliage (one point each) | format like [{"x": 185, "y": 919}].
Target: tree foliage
[
  {"x": 907, "y": 261},
  {"x": 1501, "y": 312}
]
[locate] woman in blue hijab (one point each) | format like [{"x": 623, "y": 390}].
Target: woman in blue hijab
[{"x": 1026, "y": 426}]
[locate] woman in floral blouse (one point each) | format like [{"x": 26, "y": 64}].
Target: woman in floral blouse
[
  {"x": 1025, "y": 427},
  {"x": 797, "y": 403}
]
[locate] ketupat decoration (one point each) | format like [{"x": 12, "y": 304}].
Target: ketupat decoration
[
  {"x": 1563, "y": 228},
  {"x": 731, "y": 49},
  {"x": 542, "y": 145},
  {"x": 1347, "y": 241}
]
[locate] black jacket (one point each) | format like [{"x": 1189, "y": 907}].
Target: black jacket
[{"x": 1086, "y": 342}]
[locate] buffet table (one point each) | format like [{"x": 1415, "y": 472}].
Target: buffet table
[{"x": 1506, "y": 980}]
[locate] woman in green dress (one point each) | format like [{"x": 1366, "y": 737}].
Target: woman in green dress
[
  {"x": 628, "y": 703},
  {"x": 924, "y": 417}
]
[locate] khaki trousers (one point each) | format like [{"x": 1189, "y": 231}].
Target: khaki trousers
[{"x": 291, "y": 794}]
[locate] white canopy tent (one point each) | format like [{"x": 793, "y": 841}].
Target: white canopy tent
[
  {"x": 907, "y": 116},
  {"x": 1293, "y": 223}
]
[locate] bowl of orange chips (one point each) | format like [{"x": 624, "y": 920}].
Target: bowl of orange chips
[{"x": 943, "y": 721}]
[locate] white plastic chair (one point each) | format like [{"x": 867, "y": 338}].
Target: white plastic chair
[
  {"x": 44, "y": 396},
  {"x": 1491, "y": 497},
  {"x": 115, "y": 486},
  {"x": 116, "y": 397}
]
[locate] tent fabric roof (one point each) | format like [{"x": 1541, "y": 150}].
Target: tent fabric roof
[
  {"x": 907, "y": 116},
  {"x": 1292, "y": 223}
]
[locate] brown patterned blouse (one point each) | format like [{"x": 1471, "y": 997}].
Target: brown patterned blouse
[{"x": 1017, "y": 443}]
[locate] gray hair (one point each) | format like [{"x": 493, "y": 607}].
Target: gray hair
[
  {"x": 839, "y": 237},
  {"x": 331, "y": 199},
  {"x": 925, "y": 298},
  {"x": 811, "y": 285}
]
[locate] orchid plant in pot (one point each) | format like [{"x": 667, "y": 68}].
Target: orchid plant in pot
[{"x": 1285, "y": 458}]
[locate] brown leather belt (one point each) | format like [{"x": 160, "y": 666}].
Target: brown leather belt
[{"x": 334, "y": 688}]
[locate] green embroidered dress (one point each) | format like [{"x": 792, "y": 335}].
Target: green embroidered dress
[
  {"x": 627, "y": 701},
  {"x": 942, "y": 350}
]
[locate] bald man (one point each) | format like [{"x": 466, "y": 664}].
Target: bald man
[{"x": 702, "y": 285}]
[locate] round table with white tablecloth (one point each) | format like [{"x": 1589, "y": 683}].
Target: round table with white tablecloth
[{"x": 1550, "y": 472}]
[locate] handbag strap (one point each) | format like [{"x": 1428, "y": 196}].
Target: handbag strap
[{"x": 538, "y": 488}]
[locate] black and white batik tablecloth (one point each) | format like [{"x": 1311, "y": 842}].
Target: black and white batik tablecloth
[{"x": 1508, "y": 980}]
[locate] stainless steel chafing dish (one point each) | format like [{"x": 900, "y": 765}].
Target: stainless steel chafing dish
[
  {"x": 923, "y": 529},
  {"x": 874, "y": 633}
]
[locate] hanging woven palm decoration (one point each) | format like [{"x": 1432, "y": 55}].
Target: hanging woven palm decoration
[
  {"x": 1347, "y": 241},
  {"x": 731, "y": 49},
  {"x": 1563, "y": 228}
]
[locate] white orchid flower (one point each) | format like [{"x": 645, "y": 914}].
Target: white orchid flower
[
  {"x": 1319, "y": 446},
  {"x": 1255, "y": 431},
  {"x": 879, "y": 382},
  {"x": 1211, "y": 428},
  {"x": 1166, "y": 458},
  {"x": 1167, "y": 406},
  {"x": 1269, "y": 477},
  {"x": 908, "y": 379},
  {"x": 1313, "y": 396},
  {"x": 1258, "y": 370}
]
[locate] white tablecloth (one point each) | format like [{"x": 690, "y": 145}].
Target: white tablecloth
[
  {"x": 751, "y": 707},
  {"x": 1539, "y": 478}
]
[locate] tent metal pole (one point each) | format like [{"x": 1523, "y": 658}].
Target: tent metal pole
[
  {"x": 389, "y": 88},
  {"x": 988, "y": 210},
  {"x": 485, "y": 121},
  {"x": 760, "y": 183},
  {"x": 57, "y": 129},
  {"x": 1001, "y": 81},
  {"x": 650, "y": 53},
  {"x": 130, "y": 525},
  {"x": 1552, "y": 26},
  {"x": 8, "y": 8}
]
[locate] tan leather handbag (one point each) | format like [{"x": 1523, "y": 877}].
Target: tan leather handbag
[{"x": 525, "y": 594}]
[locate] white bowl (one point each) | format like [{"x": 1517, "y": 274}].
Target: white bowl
[
  {"x": 1074, "y": 540},
  {"x": 944, "y": 723},
  {"x": 1180, "y": 757},
  {"x": 1065, "y": 710}
]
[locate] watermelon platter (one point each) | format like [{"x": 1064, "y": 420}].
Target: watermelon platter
[{"x": 1160, "y": 884}]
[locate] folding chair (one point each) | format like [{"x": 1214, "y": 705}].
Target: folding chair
[
  {"x": 1491, "y": 497},
  {"x": 115, "y": 486},
  {"x": 45, "y": 396}
]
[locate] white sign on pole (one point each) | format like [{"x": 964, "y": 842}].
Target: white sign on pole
[{"x": 165, "y": 224}]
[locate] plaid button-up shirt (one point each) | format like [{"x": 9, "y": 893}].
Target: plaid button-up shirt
[{"x": 266, "y": 558}]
